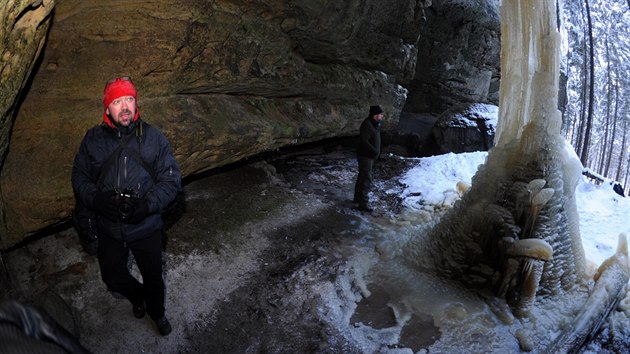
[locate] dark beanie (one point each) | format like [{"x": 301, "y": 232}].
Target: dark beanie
[{"x": 374, "y": 110}]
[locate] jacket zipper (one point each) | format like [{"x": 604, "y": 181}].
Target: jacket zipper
[
  {"x": 118, "y": 184},
  {"x": 125, "y": 168}
]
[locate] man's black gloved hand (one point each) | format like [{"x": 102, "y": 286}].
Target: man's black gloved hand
[
  {"x": 139, "y": 209},
  {"x": 106, "y": 204}
]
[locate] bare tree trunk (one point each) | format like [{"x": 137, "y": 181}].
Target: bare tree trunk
[
  {"x": 579, "y": 136},
  {"x": 591, "y": 94},
  {"x": 604, "y": 145},
  {"x": 611, "y": 149},
  {"x": 573, "y": 133},
  {"x": 623, "y": 149},
  {"x": 595, "y": 153},
  {"x": 578, "y": 143}
]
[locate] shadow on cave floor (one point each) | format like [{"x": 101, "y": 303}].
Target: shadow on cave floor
[{"x": 245, "y": 265}]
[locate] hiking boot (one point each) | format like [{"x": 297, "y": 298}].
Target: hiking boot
[
  {"x": 163, "y": 326},
  {"x": 139, "y": 310}
]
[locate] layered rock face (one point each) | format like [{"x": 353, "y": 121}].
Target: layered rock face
[
  {"x": 458, "y": 56},
  {"x": 225, "y": 80}
]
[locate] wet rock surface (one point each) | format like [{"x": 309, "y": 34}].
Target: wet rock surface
[
  {"x": 22, "y": 37},
  {"x": 246, "y": 265}
]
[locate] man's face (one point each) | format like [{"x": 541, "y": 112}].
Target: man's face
[
  {"x": 379, "y": 117},
  {"x": 122, "y": 110}
]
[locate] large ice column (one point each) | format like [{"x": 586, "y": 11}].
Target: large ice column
[
  {"x": 530, "y": 61},
  {"x": 528, "y": 114}
]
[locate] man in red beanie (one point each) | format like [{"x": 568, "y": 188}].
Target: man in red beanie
[
  {"x": 126, "y": 172},
  {"x": 119, "y": 99},
  {"x": 368, "y": 150}
]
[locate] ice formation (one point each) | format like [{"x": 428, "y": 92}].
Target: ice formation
[{"x": 514, "y": 237}]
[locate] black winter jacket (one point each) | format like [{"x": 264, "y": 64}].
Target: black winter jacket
[
  {"x": 127, "y": 172},
  {"x": 369, "y": 138}
]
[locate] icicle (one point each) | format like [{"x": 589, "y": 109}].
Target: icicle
[
  {"x": 532, "y": 272},
  {"x": 611, "y": 287},
  {"x": 535, "y": 186},
  {"x": 532, "y": 248},
  {"x": 530, "y": 255}
]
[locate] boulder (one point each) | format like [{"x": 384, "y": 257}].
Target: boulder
[
  {"x": 414, "y": 135},
  {"x": 466, "y": 128}
]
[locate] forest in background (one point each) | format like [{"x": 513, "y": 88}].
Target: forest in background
[{"x": 595, "y": 87}]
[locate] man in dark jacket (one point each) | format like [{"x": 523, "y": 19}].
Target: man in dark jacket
[
  {"x": 125, "y": 171},
  {"x": 368, "y": 150}
]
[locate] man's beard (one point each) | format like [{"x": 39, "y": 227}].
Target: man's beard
[{"x": 120, "y": 119}]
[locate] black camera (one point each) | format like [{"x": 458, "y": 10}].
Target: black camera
[{"x": 125, "y": 207}]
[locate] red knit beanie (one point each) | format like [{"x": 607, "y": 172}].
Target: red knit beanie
[{"x": 118, "y": 88}]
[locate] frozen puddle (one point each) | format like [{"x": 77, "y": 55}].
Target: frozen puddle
[{"x": 396, "y": 310}]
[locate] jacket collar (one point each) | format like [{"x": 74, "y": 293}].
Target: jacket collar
[{"x": 122, "y": 131}]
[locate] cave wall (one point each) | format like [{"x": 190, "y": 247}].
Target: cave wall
[
  {"x": 458, "y": 57},
  {"x": 22, "y": 36},
  {"x": 225, "y": 80}
]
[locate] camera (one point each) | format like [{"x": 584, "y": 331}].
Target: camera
[{"x": 125, "y": 207}]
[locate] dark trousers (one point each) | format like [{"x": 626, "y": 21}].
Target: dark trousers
[
  {"x": 112, "y": 258},
  {"x": 364, "y": 180}
]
